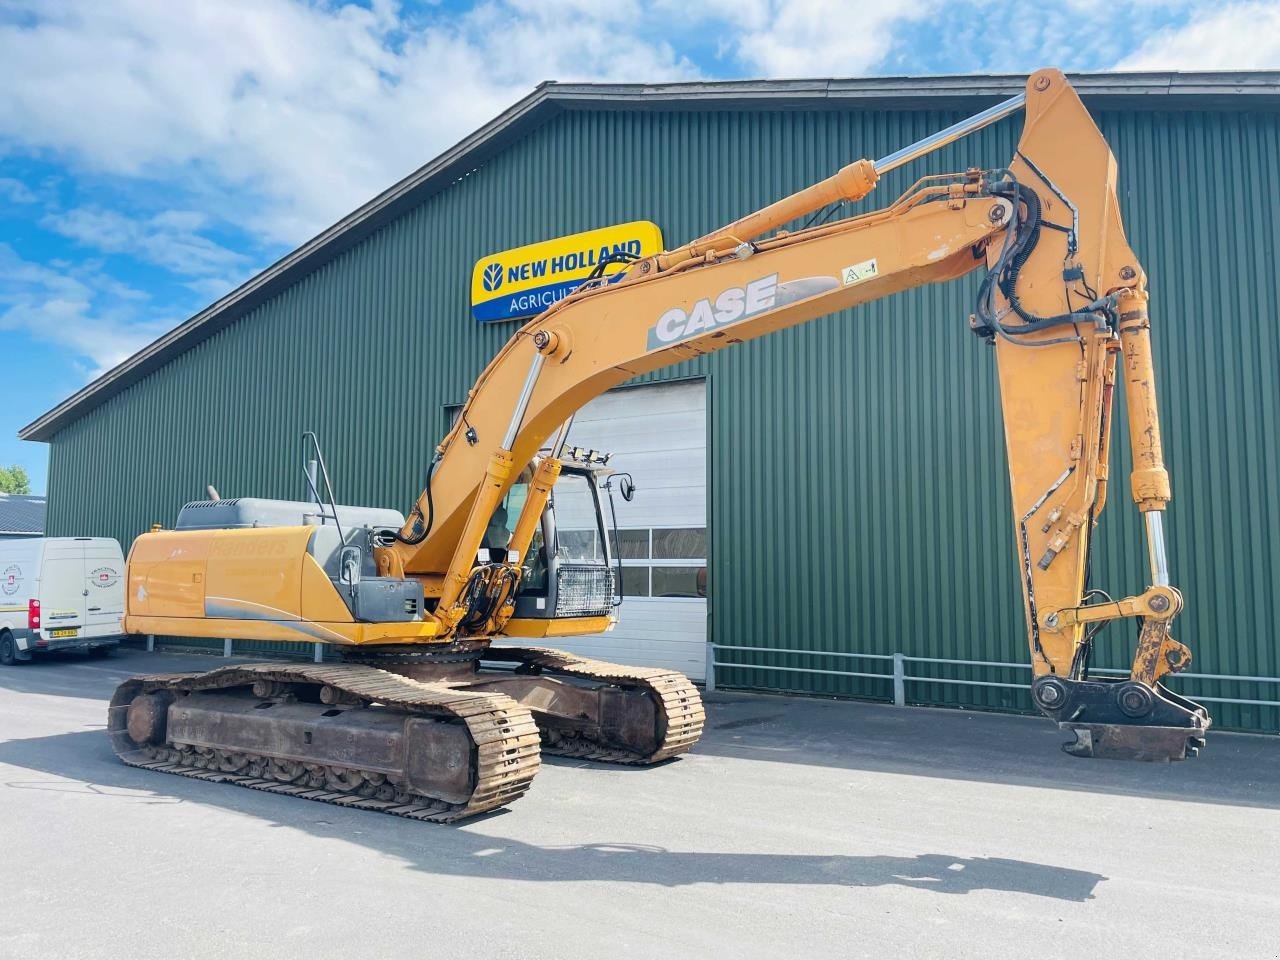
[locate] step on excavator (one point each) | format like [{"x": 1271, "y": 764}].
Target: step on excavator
[{"x": 435, "y": 711}]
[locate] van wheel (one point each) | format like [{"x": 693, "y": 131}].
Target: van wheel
[{"x": 8, "y": 651}]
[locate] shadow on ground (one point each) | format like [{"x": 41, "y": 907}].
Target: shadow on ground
[
  {"x": 1235, "y": 769},
  {"x": 75, "y": 674},
  {"x": 85, "y": 760}
]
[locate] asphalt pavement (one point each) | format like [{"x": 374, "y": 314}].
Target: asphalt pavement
[{"x": 797, "y": 828}]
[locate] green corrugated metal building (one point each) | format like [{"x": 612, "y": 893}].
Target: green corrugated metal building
[{"x": 857, "y": 497}]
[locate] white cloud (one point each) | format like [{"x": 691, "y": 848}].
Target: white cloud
[
  {"x": 212, "y": 289},
  {"x": 834, "y": 38},
  {"x": 280, "y": 116},
  {"x": 283, "y": 114},
  {"x": 1241, "y": 36},
  {"x": 276, "y": 116},
  {"x": 76, "y": 306},
  {"x": 813, "y": 38},
  {"x": 15, "y": 191},
  {"x": 170, "y": 239}
]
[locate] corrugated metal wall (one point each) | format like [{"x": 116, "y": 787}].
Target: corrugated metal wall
[{"x": 858, "y": 487}]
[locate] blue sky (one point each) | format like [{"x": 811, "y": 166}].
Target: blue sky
[{"x": 154, "y": 154}]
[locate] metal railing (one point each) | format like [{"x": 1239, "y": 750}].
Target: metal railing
[{"x": 899, "y": 677}]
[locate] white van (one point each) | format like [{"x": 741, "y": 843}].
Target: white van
[{"x": 60, "y": 593}]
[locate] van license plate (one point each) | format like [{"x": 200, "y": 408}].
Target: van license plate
[{"x": 63, "y": 633}]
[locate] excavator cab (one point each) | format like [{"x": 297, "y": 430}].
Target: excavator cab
[{"x": 568, "y": 566}]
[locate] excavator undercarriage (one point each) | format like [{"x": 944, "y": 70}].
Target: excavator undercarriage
[{"x": 380, "y": 738}]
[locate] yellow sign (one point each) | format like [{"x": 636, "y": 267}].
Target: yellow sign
[{"x": 524, "y": 281}]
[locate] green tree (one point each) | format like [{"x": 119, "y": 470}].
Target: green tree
[{"x": 14, "y": 480}]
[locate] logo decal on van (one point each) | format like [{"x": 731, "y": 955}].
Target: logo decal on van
[
  {"x": 11, "y": 580},
  {"x": 104, "y": 577}
]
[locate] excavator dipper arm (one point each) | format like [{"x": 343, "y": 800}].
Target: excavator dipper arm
[
  {"x": 1057, "y": 383},
  {"x": 1064, "y": 300}
]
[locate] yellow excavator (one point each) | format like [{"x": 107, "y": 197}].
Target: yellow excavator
[{"x": 433, "y": 711}]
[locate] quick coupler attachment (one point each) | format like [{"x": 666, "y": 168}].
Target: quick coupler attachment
[{"x": 1121, "y": 719}]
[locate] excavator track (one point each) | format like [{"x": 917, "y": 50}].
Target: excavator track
[
  {"x": 502, "y": 736},
  {"x": 680, "y": 711}
]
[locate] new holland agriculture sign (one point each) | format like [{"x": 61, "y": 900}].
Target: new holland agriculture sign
[{"x": 525, "y": 281}]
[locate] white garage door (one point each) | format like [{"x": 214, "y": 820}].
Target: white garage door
[{"x": 658, "y": 434}]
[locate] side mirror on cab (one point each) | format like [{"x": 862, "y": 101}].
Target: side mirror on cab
[{"x": 626, "y": 487}]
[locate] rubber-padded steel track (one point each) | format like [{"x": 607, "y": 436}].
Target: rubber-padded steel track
[
  {"x": 506, "y": 739},
  {"x": 681, "y": 714}
]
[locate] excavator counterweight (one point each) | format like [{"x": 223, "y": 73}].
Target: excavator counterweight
[{"x": 435, "y": 713}]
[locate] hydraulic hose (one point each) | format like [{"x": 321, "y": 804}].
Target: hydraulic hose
[{"x": 1021, "y": 239}]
